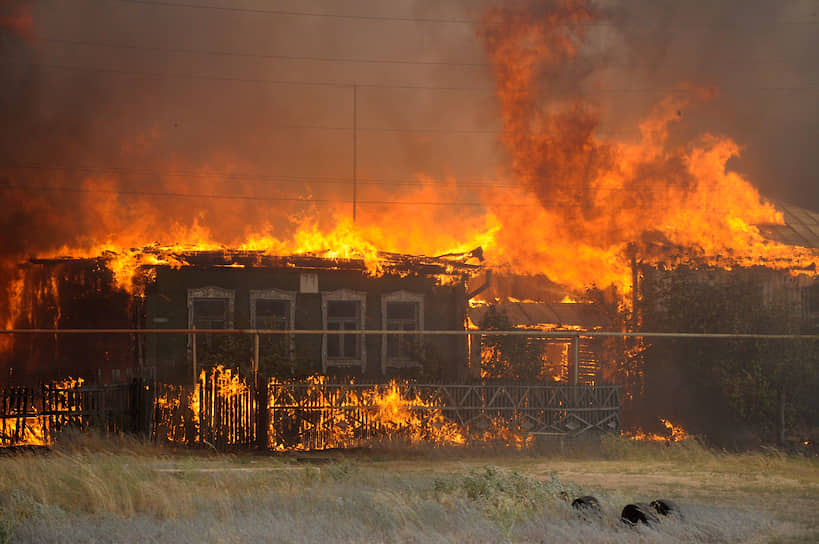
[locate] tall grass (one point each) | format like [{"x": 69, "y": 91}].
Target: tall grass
[{"x": 89, "y": 489}]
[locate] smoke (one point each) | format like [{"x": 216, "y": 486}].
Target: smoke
[
  {"x": 94, "y": 136},
  {"x": 16, "y": 18}
]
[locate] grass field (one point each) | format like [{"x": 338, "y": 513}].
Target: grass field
[{"x": 92, "y": 490}]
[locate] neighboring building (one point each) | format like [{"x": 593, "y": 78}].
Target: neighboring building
[{"x": 553, "y": 310}]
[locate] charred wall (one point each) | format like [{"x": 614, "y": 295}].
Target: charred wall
[
  {"x": 167, "y": 306},
  {"x": 71, "y": 294}
]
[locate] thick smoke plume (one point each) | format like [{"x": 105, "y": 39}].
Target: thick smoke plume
[{"x": 126, "y": 144}]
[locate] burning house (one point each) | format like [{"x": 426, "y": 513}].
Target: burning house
[
  {"x": 244, "y": 290},
  {"x": 581, "y": 192},
  {"x": 248, "y": 290}
]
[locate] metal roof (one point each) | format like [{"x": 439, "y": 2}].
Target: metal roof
[{"x": 801, "y": 227}]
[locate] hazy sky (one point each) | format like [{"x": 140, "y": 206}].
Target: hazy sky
[{"x": 143, "y": 87}]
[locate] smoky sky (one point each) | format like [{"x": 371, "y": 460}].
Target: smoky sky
[{"x": 142, "y": 88}]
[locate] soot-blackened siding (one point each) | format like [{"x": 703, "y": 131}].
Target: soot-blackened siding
[{"x": 166, "y": 306}]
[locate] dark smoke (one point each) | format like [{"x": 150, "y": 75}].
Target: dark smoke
[{"x": 131, "y": 118}]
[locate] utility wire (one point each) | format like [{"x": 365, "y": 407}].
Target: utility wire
[
  {"x": 347, "y": 60},
  {"x": 392, "y": 182},
  {"x": 394, "y": 18},
  {"x": 350, "y": 85},
  {"x": 251, "y": 197},
  {"x": 243, "y": 176},
  {"x": 540, "y": 202},
  {"x": 223, "y": 53}
]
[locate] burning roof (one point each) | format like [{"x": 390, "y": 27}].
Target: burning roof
[
  {"x": 151, "y": 257},
  {"x": 801, "y": 227},
  {"x": 529, "y": 314}
]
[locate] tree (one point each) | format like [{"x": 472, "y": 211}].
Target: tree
[
  {"x": 760, "y": 386},
  {"x": 513, "y": 357}
]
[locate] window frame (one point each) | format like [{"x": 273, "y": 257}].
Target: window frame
[
  {"x": 401, "y": 296},
  {"x": 344, "y": 295},
  {"x": 276, "y": 294},
  {"x": 210, "y": 293}
]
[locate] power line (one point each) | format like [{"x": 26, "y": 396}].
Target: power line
[
  {"x": 350, "y": 85},
  {"x": 281, "y": 82},
  {"x": 539, "y": 202},
  {"x": 405, "y": 19},
  {"x": 223, "y": 53},
  {"x": 240, "y": 176},
  {"x": 392, "y": 182},
  {"x": 250, "y": 197},
  {"x": 346, "y": 60}
]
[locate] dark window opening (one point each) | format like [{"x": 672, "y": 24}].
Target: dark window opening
[
  {"x": 273, "y": 314},
  {"x": 402, "y": 316},
  {"x": 212, "y": 313},
  {"x": 274, "y": 349},
  {"x": 813, "y": 299},
  {"x": 343, "y": 315}
]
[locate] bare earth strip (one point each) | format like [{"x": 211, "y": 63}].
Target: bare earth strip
[{"x": 93, "y": 491}]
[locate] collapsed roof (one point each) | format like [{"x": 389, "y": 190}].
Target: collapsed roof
[
  {"x": 801, "y": 227},
  {"x": 456, "y": 264}
]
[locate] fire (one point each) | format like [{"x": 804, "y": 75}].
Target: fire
[
  {"x": 590, "y": 197},
  {"x": 20, "y": 22},
  {"x": 24, "y": 425},
  {"x": 570, "y": 209},
  {"x": 391, "y": 412},
  {"x": 674, "y": 433}
]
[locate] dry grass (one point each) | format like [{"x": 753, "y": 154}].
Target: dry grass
[{"x": 96, "y": 490}]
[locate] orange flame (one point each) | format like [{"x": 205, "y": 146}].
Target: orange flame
[
  {"x": 674, "y": 433},
  {"x": 390, "y": 410}
]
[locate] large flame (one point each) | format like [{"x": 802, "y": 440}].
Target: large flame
[
  {"x": 582, "y": 199},
  {"x": 572, "y": 208}
]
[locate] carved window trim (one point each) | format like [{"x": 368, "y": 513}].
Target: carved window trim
[
  {"x": 206, "y": 293},
  {"x": 350, "y": 296},
  {"x": 276, "y": 294},
  {"x": 400, "y": 296}
]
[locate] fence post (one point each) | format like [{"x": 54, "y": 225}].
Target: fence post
[
  {"x": 576, "y": 359},
  {"x": 255, "y": 361},
  {"x": 193, "y": 356}
]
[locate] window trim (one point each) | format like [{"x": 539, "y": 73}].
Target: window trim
[
  {"x": 207, "y": 293},
  {"x": 351, "y": 296},
  {"x": 276, "y": 294},
  {"x": 400, "y": 296}
]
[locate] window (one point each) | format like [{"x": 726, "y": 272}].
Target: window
[
  {"x": 810, "y": 306},
  {"x": 210, "y": 313},
  {"x": 401, "y": 311},
  {"x": 274, "y": 309},
  {"x": 272, "y": 314},
  {"x": 342, "y": 315},
  {"x": 343, "y": 310},
  {"x": 209, "y": 308}
]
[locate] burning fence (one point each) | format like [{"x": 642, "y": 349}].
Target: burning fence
[
  {"x": 35, "y": 417},
  {"x": 673, "y": 433},
  {"x": 576, "y": 207},
  {"x": 225, "y": 411}
]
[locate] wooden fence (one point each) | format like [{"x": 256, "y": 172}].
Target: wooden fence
[
  {"x": 35, "y": 417},
  {"x": 19, "y": 419},
  {"x": 227, "y": 410},
  {"x": 224, "y": 411},
  {"x": 316, "y": 416},
  {"x": 221, "y": 411}
]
